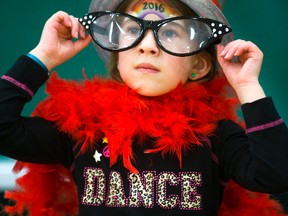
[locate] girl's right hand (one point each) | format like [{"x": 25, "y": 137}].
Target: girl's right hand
[{"x": 56, "y": 45}]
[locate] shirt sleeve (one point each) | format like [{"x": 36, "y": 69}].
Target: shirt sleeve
[
  {"x": 257, "y": 157},
  {"x": 29, "y": 139}
]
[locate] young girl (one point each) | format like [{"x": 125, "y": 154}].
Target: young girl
[{"x": 161, "y": 137}]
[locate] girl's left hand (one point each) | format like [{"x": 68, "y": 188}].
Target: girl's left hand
[{"x": 242, "y": 74}]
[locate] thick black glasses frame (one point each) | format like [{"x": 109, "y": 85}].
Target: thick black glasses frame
[{"x": 218, "y": 30}]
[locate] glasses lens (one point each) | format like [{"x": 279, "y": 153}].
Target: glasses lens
[
  {"x": 182, "y": 36},
  {"x": 115, "y": 31}
]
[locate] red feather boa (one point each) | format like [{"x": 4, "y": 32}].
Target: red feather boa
[{"x": 94, "y": 109}]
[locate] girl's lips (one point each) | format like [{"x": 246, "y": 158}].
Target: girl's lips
[{"x": 147, "y": 68}]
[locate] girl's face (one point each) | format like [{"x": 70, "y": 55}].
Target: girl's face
[{"x": 146, "y": 68}]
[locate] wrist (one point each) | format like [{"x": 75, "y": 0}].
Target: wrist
[
  {"x": 250, "y": 93},
  {"x": 43, "y": 58},
  {"x": 39, "y": 62}
]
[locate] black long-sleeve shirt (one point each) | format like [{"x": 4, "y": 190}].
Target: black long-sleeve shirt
[{"x": 256, "y": 158}]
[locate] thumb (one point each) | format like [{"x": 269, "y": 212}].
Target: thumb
[{"x": 81, "y": 43}]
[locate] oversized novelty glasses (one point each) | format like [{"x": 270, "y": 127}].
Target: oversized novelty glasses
[{"x": 179, "y": 36}]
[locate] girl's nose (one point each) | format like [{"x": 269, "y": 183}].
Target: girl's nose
[{"x": 148, "y": 44}]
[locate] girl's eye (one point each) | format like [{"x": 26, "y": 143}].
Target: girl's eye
[
  {"x": 171, "y": 30},
  {"x": 169, "y": 33},
  {"x": 133, "y": 30}
]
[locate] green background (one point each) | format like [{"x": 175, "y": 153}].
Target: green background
[{"x": 262, "y": 21}]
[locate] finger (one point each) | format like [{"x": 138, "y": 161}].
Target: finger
[
  {"x": 63, "y": 18},
  {"x": 82, "y": 31},
  {"x": 227, "y": 48},
  {"x": 230, "y": 51},
  {"x": 74, "y": 26},
  {"x": 249, "y": 49},
  {"x": 220, "y": 56},
  {"x": 220, "y": 49},
  {"x": 220, "y": 53},
  {"x": 62, "y": 23}
]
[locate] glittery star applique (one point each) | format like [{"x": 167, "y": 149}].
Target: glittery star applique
[{"x": 97, "y": 156}]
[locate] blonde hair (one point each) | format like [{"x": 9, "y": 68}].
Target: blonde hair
[{"x": 181, "y": 8}]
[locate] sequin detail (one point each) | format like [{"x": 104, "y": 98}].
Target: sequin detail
[
  {"x": 146, "y": 189},
  {"x": 17, "y": 83},
  {"x": 265, "y": 126}
]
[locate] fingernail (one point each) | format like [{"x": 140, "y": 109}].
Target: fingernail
[
  {"x": 227, "y": 56},
  {"x": 76, "y": 35},
  {"x": 83, "y": 34},
  {"x": 222, "y": 53}
]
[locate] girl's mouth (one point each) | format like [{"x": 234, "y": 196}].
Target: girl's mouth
[{"x": 147, "y": 68}]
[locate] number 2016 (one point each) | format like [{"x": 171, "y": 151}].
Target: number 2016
[{"x": 153, "y": 6}]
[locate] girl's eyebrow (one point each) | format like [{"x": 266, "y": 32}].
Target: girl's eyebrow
[{"x": 178, "y": 23}]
